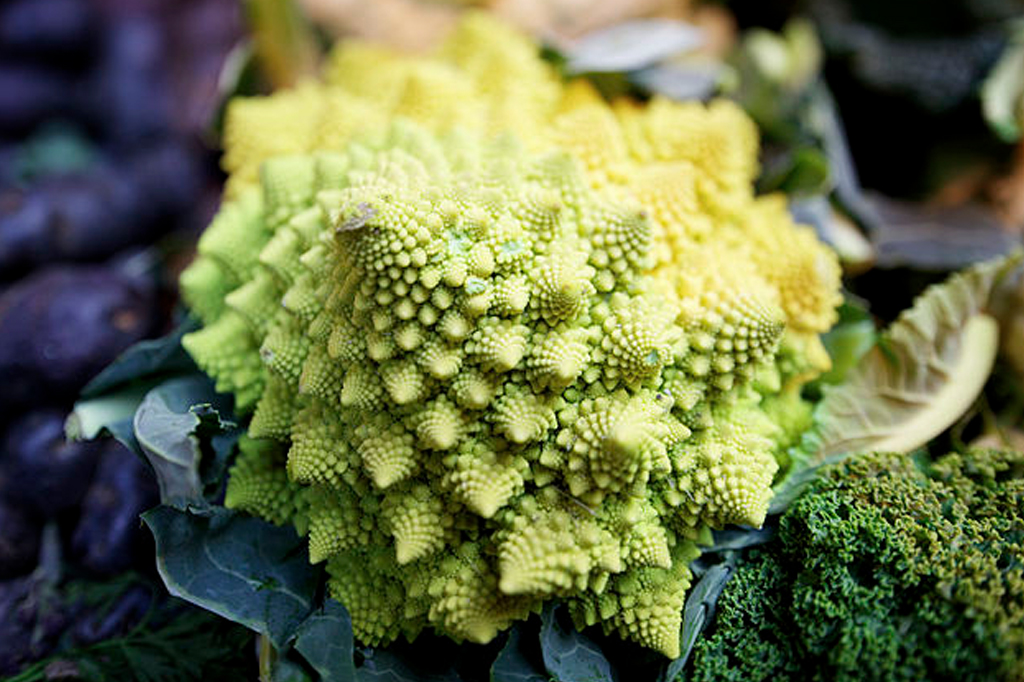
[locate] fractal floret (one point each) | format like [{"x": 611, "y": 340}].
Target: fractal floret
[{"x": 489, "y": 362}]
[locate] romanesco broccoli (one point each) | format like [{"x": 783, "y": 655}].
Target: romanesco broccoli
[{"x": 506, "y": 364}]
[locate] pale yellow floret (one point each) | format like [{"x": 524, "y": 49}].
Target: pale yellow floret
[
  {"x": 337, "y": 522},
  {"x": 227, "y": 351},
  {"x": 802, "y": 269},
  {"x": 483, "y": 479},
  {"x": 555, "y": 550},
  {"x": 644, "y": 605},
  {"x": 415, "y": 517},
  {"x": 523, "y": 417},
  {"x": 469, "y": 603},
  {"x": 321, "y": 375},
  {"x": 388, "y": 452},
  {"x": 259, "y": 485},
  {"x": 558, "y": 358},
  {"x": 439, "y": 425},
  {"x": 292, "y": 114},
  {"x": 563, "y": 286},
  {"x": 257, "y": 301},
  {"x": 321, "y": 451},
  {"x": 204, "y": 285}
]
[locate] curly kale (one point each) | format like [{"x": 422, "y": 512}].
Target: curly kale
[{"x": 886, "y": 569}]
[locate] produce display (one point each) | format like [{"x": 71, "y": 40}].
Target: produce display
[{"x": 515, "y": 352}]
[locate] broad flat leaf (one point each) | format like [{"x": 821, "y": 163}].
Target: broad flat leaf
[
  {"x": 520, "y": 660},
  {"x": 145, "y": 360},
  {"x": 1002, "y": 94},
  {"x": 846, "y": 345},
  {"x": 170, "y": 426},
  {"x": 109, "y": 401},
  {"x": 239, "y": 567},
  {"x": 688, "y": 80},
  {"x": 632, "y": 45},
  {"x": 738, "y": 538},
  {"x": 698, "y": 612},
  {"x": 285, "y": 670},
  {"x": 925, "y": 371},
  {"x": 571, "y": 656},
  {"x": 325, "y": 641},
  {"x": 385, "y": 665},
  {"x": 111, "y": 414},
  {"x": 214, "y": 464}
]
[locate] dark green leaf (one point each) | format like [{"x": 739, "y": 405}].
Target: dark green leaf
[
  {"x": 109, "y": 401},
  {"x": 794, "y": 484},
  {"x": 173, "y": 643},
  {"x": 171, "y": 424},
  {"x": 385, "y": 665},
  {"x": 739, "y": 538},
  {"x": 241, "y": 568},
  {"x": 145, "y": 360},
  {"x": 520, "y": 660},
  {"x": 571, "y": 656},
  {"x": 801, "y": 171},
  {"x": 698, "y": 612},
  {"x": 214, "y": 465},
  {"x": 286, "y": 670},
  {"x": 325, "y": 641}
]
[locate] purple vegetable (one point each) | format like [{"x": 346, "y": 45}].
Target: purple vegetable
[
  {"x": 92, "y": 215},
  {"x": 19, "y": 542},
  {"x": 109, "y": 536},
  {"x": 40, "y": 469},
  {"x": 75, "y": 218},
  {"x": 130, "y": 98},
  {"x": 61, "y": 326},
  {"x": 30, "y": 94},
  {"x": 46, "y": 27},
  {"x": 168, "y": 177},
  {"x": 29, "y": 624}
]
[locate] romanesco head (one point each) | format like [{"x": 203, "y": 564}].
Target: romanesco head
[{"x": 505, "y": 369}]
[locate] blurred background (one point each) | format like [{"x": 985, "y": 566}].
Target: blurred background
[{"x": 895, "y": 127}]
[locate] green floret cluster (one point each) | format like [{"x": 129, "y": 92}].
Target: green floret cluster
[
  {"x": 469, "y": 391},
  {"x": 503, "y": 341},
  {"x": 885, "y": 569}
]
